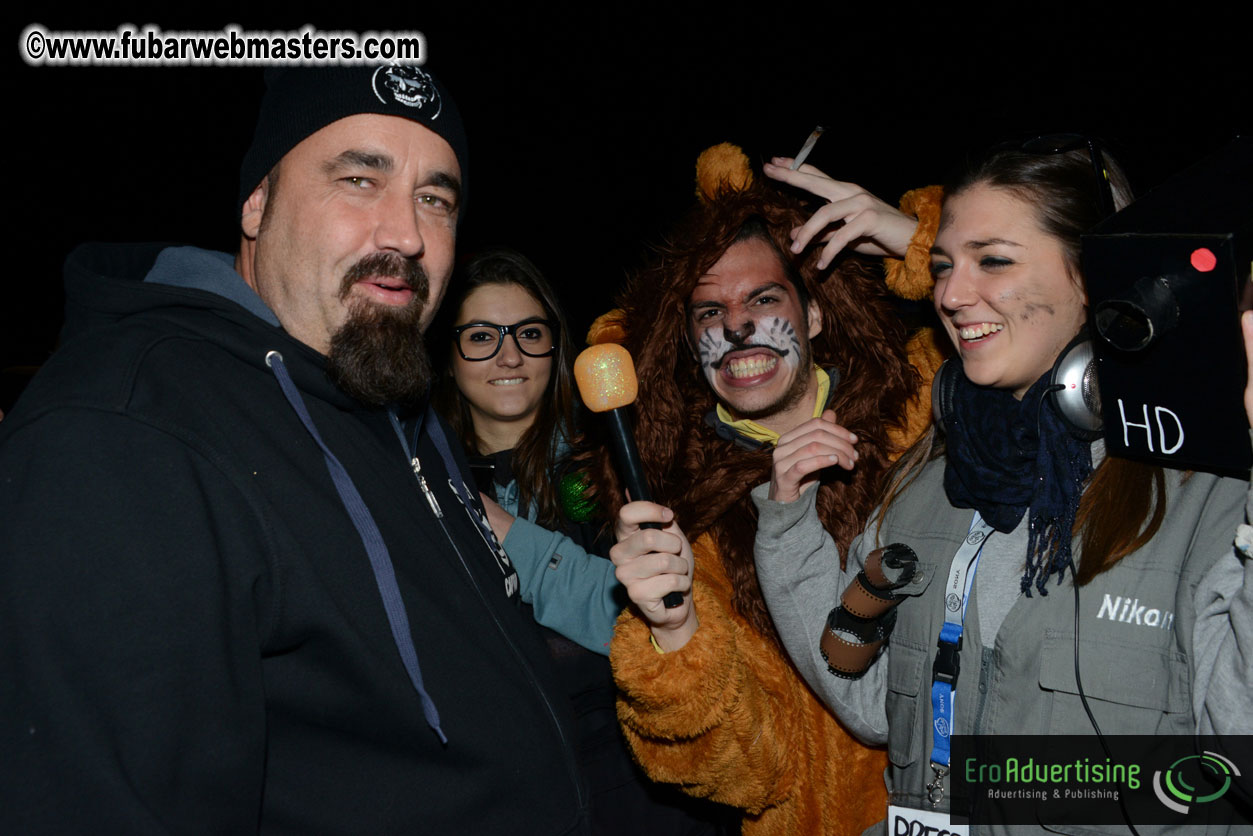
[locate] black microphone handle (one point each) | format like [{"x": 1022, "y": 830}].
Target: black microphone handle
[{"x": 631, "y": 471}]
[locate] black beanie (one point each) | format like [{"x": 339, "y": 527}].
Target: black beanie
[{"x": 300, "y": 101}]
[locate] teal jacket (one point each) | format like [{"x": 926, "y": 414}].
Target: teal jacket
[{"x": 571, "y": 591}]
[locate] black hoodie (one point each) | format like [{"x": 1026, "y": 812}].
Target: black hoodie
[{"x": 191, "y": 637}]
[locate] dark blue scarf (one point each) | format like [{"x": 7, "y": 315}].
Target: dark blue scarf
[{"x": 1006, "y": 456}]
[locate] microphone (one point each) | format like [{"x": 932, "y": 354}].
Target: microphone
[{"x": 605, "y": 375}]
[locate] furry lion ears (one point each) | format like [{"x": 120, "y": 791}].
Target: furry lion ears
[
  {"x": 722, "y": 168},
  {"x": 725, "y": 168}
]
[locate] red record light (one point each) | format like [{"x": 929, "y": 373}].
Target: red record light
[{"x": 1203, "y": 260}]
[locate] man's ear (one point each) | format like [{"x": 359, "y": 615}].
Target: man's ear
[
  {"x": 814, "y": 315},
  {"x": 254, "y": 209}
]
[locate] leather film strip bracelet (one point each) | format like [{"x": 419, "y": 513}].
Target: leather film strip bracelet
[{"x": 863, "y": 621}]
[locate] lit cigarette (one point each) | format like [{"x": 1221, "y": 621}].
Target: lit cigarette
[{"x": 807, "y": 147}]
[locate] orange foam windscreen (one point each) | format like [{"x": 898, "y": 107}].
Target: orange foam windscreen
[{"x": 606, "y": 377}]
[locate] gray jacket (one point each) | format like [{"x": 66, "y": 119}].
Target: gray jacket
[{"x": 1139, "y": 623}]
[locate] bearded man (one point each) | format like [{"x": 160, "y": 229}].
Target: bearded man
[
  {"x": 736, "y": 341},
  {"x": 245, "y": 588}
]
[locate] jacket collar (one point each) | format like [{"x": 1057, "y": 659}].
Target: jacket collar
[{"x": 729, "y": 432}]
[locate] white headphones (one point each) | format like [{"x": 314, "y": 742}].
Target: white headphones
[{"x": 1074, "y": 390}]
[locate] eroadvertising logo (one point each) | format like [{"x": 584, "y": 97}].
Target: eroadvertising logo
[
  {"x": 1191, "y": 780},
  {"x": 1074, "y": 780}
]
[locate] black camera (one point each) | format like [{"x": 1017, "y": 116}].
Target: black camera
[{"x": 1167, "y": 278}]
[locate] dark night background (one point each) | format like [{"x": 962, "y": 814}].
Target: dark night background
[{"x": 584, "y": 128}]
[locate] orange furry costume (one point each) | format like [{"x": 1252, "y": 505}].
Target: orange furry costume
[{"x": 727, "y": 717}]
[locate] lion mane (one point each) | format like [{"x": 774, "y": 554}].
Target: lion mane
[{"x": 705, "y": 479}]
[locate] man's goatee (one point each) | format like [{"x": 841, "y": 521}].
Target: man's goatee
[{"x": 379, "y": 356}]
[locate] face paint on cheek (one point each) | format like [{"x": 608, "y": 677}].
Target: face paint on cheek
[
  {"x": 712, "y": 347},
  {"x": 1029, "y": 309},
  {"x": 781, "y": 336}
]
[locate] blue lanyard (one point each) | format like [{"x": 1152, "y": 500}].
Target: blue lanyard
[{"x": 958, "y": 585}]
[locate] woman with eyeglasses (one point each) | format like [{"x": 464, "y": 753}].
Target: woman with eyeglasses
[
  {"x": 508, "y": 393},
  {"x": 1047, "y": 588}
]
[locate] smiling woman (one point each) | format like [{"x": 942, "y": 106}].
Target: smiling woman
[
  {"x": 1019, "y": 527},
  {"x": 507, "y": 386},
  {"x": 507, "y": 391},
  {"x": 1006, "y": 297},
  {"x": 503, "y": 371}
]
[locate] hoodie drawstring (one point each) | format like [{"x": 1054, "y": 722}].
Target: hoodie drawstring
[{"x": 371, "y": 538}]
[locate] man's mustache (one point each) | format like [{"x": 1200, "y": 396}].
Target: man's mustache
[{"x": 391, "y": 266}]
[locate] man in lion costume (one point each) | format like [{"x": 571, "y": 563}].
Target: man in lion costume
[{"x": 737, "y": 341}]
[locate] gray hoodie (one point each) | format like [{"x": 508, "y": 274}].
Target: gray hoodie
[{"x": 1160, "y": 632}]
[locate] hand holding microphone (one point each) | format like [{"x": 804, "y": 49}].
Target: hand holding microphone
[
  {"x": 655, "y": 565},
  {"x": 606, "y": 378}
]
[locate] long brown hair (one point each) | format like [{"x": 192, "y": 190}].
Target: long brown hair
[
  {"x": 1123, "y": 504},
  {"x": 535, "y": 456},
  {"x": 706, "y": 479}
]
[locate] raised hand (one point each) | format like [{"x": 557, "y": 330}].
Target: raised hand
[
  {"x": 853, "y": 217},
  {"x": 805, "y": 450}
]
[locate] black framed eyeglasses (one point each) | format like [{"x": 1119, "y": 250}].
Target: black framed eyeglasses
[
  {"x": 1060, "y": 144},
  {"x": 535, "y": 337}
]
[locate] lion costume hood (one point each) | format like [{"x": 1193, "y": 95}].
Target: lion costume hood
[{"x": 706, "y": 479}]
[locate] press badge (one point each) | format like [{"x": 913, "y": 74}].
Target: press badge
[{"x": 907, "y": 821}]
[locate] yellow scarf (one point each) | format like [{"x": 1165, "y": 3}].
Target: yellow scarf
[{"x": 751, "y": 429}]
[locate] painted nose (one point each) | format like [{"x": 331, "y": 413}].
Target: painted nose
[{"x": 741, "y": 332}]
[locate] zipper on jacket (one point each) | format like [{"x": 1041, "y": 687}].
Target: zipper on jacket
[
  {"x": 567, "y": 745},
  {"x": 426, "y": 489}
]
